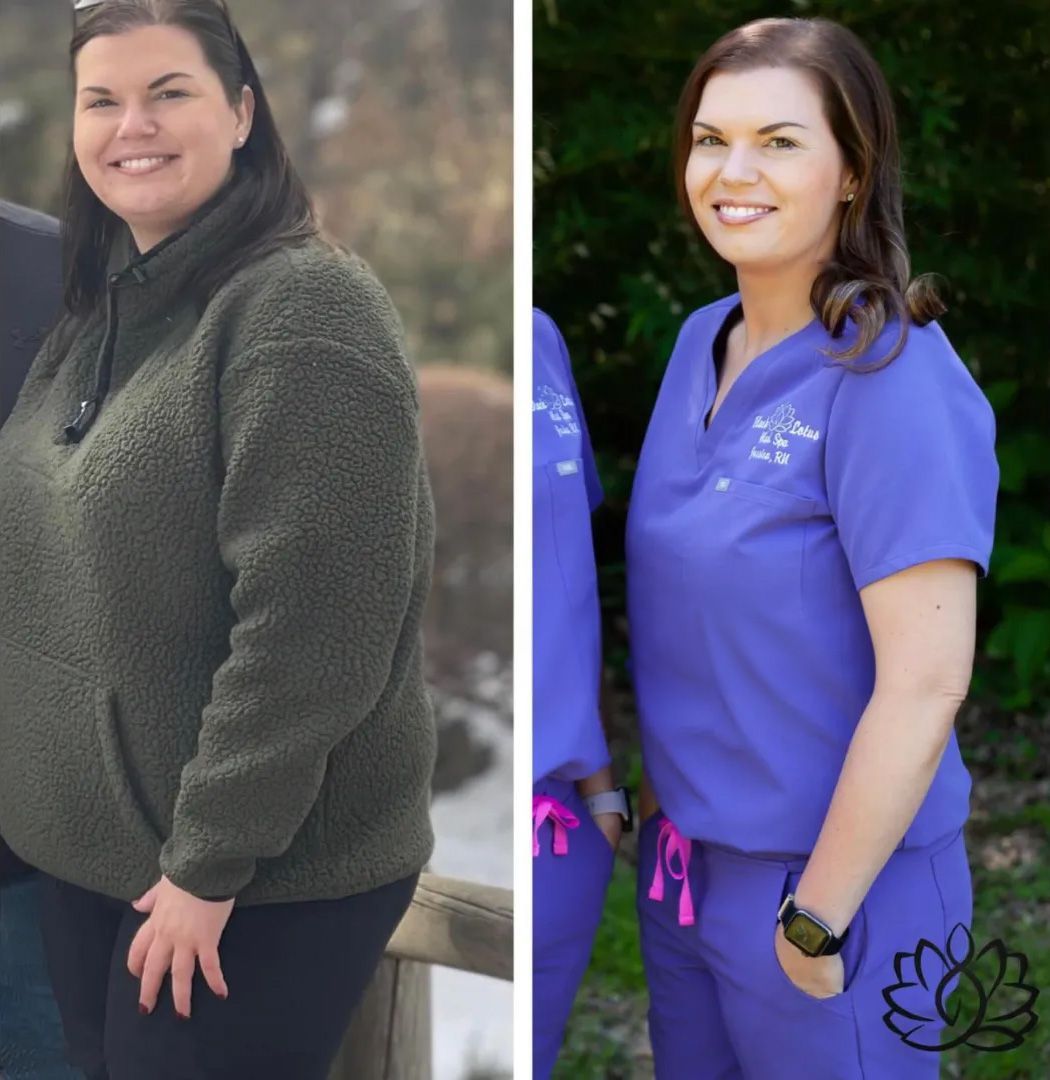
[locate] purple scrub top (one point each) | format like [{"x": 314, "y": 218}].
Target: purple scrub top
[
  {"x": 747, "y": 544},
  {"x": 567, "y": 737}
]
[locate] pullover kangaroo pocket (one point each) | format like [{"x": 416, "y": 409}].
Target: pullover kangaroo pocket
[{"x": 66, "y": 803}]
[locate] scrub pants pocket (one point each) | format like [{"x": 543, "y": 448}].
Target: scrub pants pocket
[
  {"x": 951, "y": 874},
  {"x": 568, "y": 894},
  {"x": 777, "y": 1031},
  {"x": 921, "y": 893},
  {"x": 853, "y": 952}
]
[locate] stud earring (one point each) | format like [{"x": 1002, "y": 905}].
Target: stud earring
[{"x": 849, "y": 197}]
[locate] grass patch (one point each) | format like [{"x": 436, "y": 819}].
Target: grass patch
[
  {"x": 1013, "y": 905},
  {"x": 617, "y": 958},
  {"x": 609, "y": 1016}
]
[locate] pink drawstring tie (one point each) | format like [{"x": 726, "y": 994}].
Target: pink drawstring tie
[
  {"x": 673, "y": 843},
  {"x": 562, "y": 818}
]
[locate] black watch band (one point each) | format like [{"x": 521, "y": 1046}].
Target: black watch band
[
  {"x": 806, "y": 932},
  {"x": 628, "y": 825}
]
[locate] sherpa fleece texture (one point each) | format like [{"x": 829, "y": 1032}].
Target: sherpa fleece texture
[{"x": 210, "y": 607}]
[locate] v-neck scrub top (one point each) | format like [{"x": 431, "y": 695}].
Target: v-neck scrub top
[
  {"x": 568, "y": 740},
  {"x": 747, "y": 545}
]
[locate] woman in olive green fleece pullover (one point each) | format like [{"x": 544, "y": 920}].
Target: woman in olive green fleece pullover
[{"x": 215, "y": 546}]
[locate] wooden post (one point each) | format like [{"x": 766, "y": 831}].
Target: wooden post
[
  {"x": 389, "y": 1036},
  {"x": 458, "y": 924}
]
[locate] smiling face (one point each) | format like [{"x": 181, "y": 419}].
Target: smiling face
[
  {"x": 153, "y": 131},
  {"x": 765, "y": 177}
]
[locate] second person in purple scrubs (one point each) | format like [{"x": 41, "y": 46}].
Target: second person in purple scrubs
[
  {"x": 577, "y": 815},
  {"x": 813, "y": 504}
]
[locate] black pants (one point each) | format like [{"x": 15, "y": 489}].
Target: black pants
[{"x": 295, "y": 972}]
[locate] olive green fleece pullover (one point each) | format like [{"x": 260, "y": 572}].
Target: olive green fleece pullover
[{"x": 210, "y": 605}]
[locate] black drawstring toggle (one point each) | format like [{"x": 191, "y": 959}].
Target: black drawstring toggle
[
  {"x": 89, "y": 409},
  {"x": 75, "y": 431}
]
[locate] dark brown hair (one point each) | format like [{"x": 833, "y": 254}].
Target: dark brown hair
[
  {"x": 868, "y": 277},
  {"x": 279, "y": 212}
]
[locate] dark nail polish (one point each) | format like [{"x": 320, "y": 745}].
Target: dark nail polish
[
  {"x": 181, "y": 1016},
  {"x": 143, "y": 1010}
]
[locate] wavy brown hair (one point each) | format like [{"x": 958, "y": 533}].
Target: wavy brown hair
[{"x": 868, "y": 278}]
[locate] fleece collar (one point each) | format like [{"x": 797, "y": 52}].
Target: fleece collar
[{"x": 149, "y": 283}]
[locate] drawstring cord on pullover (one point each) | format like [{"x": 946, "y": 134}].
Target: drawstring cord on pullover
[{"x": 89, "y": 409}]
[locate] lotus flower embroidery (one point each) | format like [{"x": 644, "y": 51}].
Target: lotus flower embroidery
[
  {"x": 990, "y": 1010},
  {"x": 557, "y": 403},
  {"x": 782, "y": 417}
]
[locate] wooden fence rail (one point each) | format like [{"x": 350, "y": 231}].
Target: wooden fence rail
[{"x": 452, "y": 923}]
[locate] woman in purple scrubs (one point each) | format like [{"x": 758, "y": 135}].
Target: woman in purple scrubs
[
  {"x": 813, "y": 504},
  {"x": 577, "y": 816}
]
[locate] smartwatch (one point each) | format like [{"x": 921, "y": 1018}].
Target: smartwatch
[
  {"x": 806, "y": 932},
  {"x": 617, "y": 801}
]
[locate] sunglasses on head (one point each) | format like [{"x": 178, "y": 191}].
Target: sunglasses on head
[{"x": 80, "y": 6}]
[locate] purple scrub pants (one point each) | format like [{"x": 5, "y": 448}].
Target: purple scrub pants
[
  {"x": 568, "y": 891},
  {"x": 721, "y": 1007}
]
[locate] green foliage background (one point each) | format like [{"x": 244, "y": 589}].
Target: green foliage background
[{"x": 618, "y": 269}]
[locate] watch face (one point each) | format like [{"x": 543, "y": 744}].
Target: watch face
[{"x": 808, "y": 935}]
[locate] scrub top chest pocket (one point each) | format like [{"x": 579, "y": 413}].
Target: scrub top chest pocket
[
  {"x": 570, "y": 520},
  {"x": 748, "y": 543}
]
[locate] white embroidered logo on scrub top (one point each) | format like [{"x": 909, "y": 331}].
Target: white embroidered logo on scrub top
[
  {"x": 774, "y": 444},
  {"x": 559, "y": 407}
]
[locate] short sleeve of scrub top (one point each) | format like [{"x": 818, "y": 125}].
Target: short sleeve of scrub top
[
  {"x": 911, "y": 475},
  {"x": 568, "y": 738},
  {"x": 748, "y": 541}
]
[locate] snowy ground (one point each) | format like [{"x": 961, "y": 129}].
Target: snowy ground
[{"x": 472, "y": 1014}]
